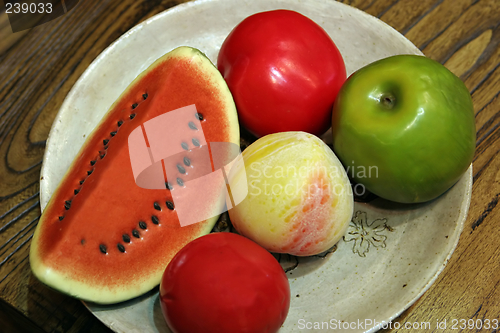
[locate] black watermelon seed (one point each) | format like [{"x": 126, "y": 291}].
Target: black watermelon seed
[
  {"x": 145, "y": 95},
  {"x": 92, "y": 163},
  {"x": 157, "y": 206},
  {"x": 196, "y": 142},
  {"x": 132, "y": 116},
  {"x": 143, "y": 225},
  {"x": 199, "y": 116},
  {"x": 126, "y": 238},
  {"x": 135, "y": 233},
  {"x": 155, "y": 219},
  {"x": 103, "y": 248},
  {"x": 105, "y": 141},
  {"x": 90, "y": 172},
  {"x": 77, "y": 191},
  {"x": 181, "y": 169},
  {"x": 61, "y": 218},
  {"x": 102, "y": 156},
  {"x": 82, "y": 241},
  {"x": 134, "y": 105},
  {"x": 169, "y": 186},
  {"x": 82, "y": 181},
  {"x": 180, "y": 182},
  {"x": 187, "y": 161},
  {"x": 170, "y": 205},
  {"x": 192, "y": 126},
  {"x": 120, "y": 122},
  {"x": 120, "y": 247},
  {"x": 113, "y": 133},
  {"x": 67, "y": 204},
  {"x": 184, "y": 146}
]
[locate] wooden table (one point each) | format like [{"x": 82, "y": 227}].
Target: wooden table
[{"x": 39, "y": 66}]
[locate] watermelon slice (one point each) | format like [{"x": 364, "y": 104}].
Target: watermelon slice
[{"x": 102, "y": 237}]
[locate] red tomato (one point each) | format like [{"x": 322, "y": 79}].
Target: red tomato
[
  {"x": 284, "y": 72},
  {"x": 224, "y": 283}
]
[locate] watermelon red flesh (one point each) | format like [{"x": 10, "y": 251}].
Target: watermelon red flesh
[{"x": 67, "y": 254}]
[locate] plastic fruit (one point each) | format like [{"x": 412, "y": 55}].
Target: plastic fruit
[
  {"x": 405, "y": 127},
  {"x": 284, "y": 72},
  {"x": 104, "y": 239},
  {"x": 299, "y": 197},
  {"x": 224, "y": 283}
]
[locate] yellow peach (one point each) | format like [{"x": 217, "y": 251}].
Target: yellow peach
[{"x": 299, "y": 196}]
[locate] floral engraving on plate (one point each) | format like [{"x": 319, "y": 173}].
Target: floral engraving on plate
[{"x": 366, "y": 234}]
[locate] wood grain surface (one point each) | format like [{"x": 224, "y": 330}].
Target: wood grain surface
[{"x": 39, "y": 66}]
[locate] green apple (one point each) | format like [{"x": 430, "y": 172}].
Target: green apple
[{"x": 404, "y": 128}]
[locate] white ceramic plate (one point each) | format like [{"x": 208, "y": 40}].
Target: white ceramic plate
[{"x": 391, "y": 254}]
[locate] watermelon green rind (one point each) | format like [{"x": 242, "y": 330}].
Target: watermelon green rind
[{"x": 108, "y": 205}]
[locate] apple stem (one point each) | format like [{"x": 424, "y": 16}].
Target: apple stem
[{"x": 388, "y": 101}]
